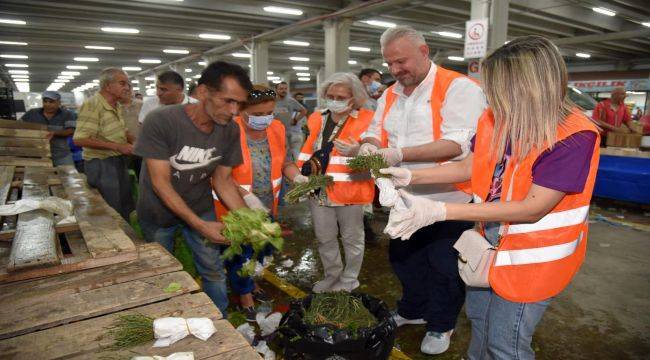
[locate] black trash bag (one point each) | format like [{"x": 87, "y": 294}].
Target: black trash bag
[{"x": 303, "y": 341}]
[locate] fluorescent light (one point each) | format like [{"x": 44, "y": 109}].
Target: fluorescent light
[
  {"x": 97, "y": 47},
  {"x": 131, "y": 68},
  {"x": 583, "y": 55},
  {"x": 18, "y": 72},
  {"x": 176, "y": 51},
  {"x": 65, "y": 77},
  {"x": 16, "y": 76},
  {"x": 17, "y": 65},
  {"x": 61, "y": 81},
  {"x": 188, "y": 70},
  {"x": 149, "y": 61},
  {"x": 214, "y": 36},
  {"x": 150, "y": 78},
  {"x": 120, "y": 30},
  {"x": 449, "y": 34},
  {"x": 282, "y": 10},
  {"x": 23, "y": 87},
  {"x": 303, "y": 74},
  {"x": 202, "y": 63},
  {"x": 269, "y": 73},
  {"x": 643, "y": 23},
  {"x": 96, "y": 81},
  {"x": 352, "y": 62},
  {"x": 12, "y": 56},
  {"x": 134, "y": 81},
  {"x": 188, "y": 79},
  {"x": 304, "y": 79},
  {"x": 604, "y": 11},
  {"x": 197, "y": 76},
  {"x": 301, "y": 67},
  {"x": 296, "y": 43},
  {"x": 13, "y": 22},
  {"x": 576, "y": 90},
  {"x": 75, "y": 73},
  {"x": 298, "y": 58},
  {"x": 241, "y": 55},
  {"x": 456, "y": 58},
  {"x": 77, "y": 67},
  {"x": 273, "y": 78},
  {"x": 359, "y": 48},
  {"x": 380, "y": 23},
  {"x": 86, "y": 59},
  {"x": 136, "y": 88},
  {"x": 13, "y": 43},
  {"x": 276, "y": 81},
  {"x": 384, "y": 64}
]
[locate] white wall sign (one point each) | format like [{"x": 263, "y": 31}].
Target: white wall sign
[{"x": 476, "y": 34}]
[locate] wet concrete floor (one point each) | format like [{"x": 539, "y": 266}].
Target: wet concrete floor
[{"x": 604, "y": 314}]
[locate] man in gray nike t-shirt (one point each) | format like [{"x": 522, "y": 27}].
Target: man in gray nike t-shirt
[{"x": 188, "y": 150}]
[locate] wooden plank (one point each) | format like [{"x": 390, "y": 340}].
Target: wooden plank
[
  {"x": 8, "y": 235},
  {"x": 245, "y": 353},
  {"x": 24, "y": 133},
  {"x": 25, "y": 142},
  {"x": 50, "y": 181},
  {"x": 86, "y": 339},
  {"x": 18, "y": 161},
  {"x": 22, "y": 318},
  {"x": 23, "y": 151},
  {"x": 14, "y": 124},
  {"x": 34, "y": 244},
  {"x": 6, "y": 175}
]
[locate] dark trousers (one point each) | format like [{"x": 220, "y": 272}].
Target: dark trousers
[
  {"x": 426, "y": 265},
  {"x": 111, "y": 177}
]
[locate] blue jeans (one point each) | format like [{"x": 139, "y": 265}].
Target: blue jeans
[
  {"x": 501, "y": 329},
  {"x": 207, "y": 256}
]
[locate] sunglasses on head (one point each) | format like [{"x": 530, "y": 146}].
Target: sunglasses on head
[{"x": 256, "y": 94}]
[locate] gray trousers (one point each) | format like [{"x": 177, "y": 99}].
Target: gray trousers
[
  {"x": 328, "y": 222},
  {"x": 111, "y": 177}
]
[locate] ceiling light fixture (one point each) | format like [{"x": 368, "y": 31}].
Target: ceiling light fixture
[
  {"x": 74, "y": 73},
  {"x": 16, "y": 76},
  {"x": 643, "y": 23},
  {"x": 214, "y": 36},
  {"x": 604, "y": 11},
  {"x": 86, "y": 59},
  {"x": 282, "y": 10},
  {"x": 65, "y": 77},
  {"x": 456, "y": 58},
  {"x": 13, "y": 22},
  {"x": 301, "y": 67},
  {"x": 241, "y": 55},
  {"x": 352, "y": 62},
  {"x": 449, "y": 34},
  {"x": 296, "y": 43},
  {"x": 583, "y": 55},
  {"x": 17, "y": 65},
  {"x": 149, "y": 61},
  {"x": 176, "y": 51},
  {"x": 150, "y": 78},
  {"x": 359, "y": 48},
  {"x": 298, "y": 58},
  {"x": 120, "y": 30},
  {"x": 13, "y": 56},
  {"x": 188, "y": 70},
  {"x": 304, "y": 79},
  {"x": 19, "y": 72},
  {"x": 202, "y": 63},
  {"x": 97, "y": 47},
  {"x": 269, "y": 73},
  {"x": 303, "y": 74},
  {"x": 379, "y": 23},
  {"x": 20, "y": 43},
  {"x": 76, "y": 67},
  {"x": 131, "y": 68}
]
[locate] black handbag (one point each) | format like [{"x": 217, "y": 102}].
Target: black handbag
[{"x": 317, "y": 163}]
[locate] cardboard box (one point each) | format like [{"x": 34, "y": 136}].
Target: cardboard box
[{"x": 623, "y": 140}]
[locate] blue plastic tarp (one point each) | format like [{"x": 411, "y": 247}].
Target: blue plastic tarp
[{"x": 623, "y": 178}]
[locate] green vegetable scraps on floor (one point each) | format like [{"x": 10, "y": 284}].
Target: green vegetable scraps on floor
[
  {"x": 250, "y": 227},
  {"x": 371, "y": 163},
  {"x": 172, "y": 287},
  {"x": 299, "y": 190},
  {"x": 131, "y": 330},
  {"x": 339, "y": 309}
]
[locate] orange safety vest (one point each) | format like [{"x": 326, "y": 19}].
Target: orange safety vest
[
  {"x": 441, "y": 84},
  {"x": 243, "y": 173},
  {"x": 534, "y": 262},
  {"x": 348, "y": 188}
]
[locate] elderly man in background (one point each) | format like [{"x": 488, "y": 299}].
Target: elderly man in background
[
  {"x": 102, "y": 133},
  {"x": 611, "y": 114},
  {"x": 60, "y": 125},
  {"x": 170, "y": 89},
  {"x": 131, "y": 107}
]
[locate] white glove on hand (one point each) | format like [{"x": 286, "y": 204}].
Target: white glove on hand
[
  {"x": 254, "y": 202},
  {"x": 367, "y": 149},
  {"x": 392, "y": 156},
  {"x": 300, "y": 178},
  {"x": 419, "y": 212},
  {"x": 388, "y": 195},
  {"x": 400, "y": 177},
  {"x": 347, "y": 148}
]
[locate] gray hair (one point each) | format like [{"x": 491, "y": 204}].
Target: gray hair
[
  {"x": 108, "y": 75},
  {"x": 350, "y": 80},
  {"x": 402, "y": 31}
]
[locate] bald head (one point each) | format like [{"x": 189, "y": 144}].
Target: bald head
[{"x": 618, "y": 95}]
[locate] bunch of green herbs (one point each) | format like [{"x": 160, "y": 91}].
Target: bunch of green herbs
[
  {"x": 131, "y": 330},
  {"x": 372, "y": 163},
  {"x": 302, "y": 189},
  {"x": 339, "y": 309}
]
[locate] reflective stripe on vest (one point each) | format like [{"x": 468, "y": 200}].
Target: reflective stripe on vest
[
  {"x": 537, "y": 255},
  {"x": 339, "y": 160},
  {"x": 303, "y": 156},
  {"x": 553, "y": 220}
]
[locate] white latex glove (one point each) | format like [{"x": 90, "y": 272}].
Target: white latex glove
[
  {"x": 400, "y": 177},
  {"x": 254, "y": 202},
  {"x": 418, "y": 213},
  {"x": 367, "y": 149},
  {"x": 388, "y": 195},
  {"x": 347, "y": 148},
  {"x": 392, "y": 156},
  {"x": 300, "y": 178}
]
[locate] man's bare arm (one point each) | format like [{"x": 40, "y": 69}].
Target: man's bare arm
[
  {"x": 436, "y": 151},
  {"x": 226, "y": 188}
]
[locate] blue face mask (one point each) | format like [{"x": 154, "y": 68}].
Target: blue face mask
[
  {"x": 259, "y": 122},
  {"x": 374, "y": 87}
]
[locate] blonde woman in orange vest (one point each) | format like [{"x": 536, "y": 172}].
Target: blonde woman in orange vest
[
  {"x": 340, "y": 208},
  {"x": 259, "y": 177},
  {"x": 532, "y": 171}
]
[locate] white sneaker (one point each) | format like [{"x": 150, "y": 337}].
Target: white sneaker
[
  {"x": 399, "y": 320},
  {"x": 324, "y": 285},
  {"x": 435, "y": 343}
]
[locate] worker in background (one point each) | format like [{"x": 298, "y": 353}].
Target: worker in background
[
  {"x": 170, "y": 89},
  {"x": 371, "y": 80},
  {"x": 532, "y": 189},
  {"x": 427, "y": 117},
  {"x": 106, "y": 142},
  {"x": 189, "y": 149},
  {"x": 612, "y": 114},
  {"x": 289, "y": 112},
  {"x": 138, "y": 96},
  {"x": 60, "y": 125},
  {"x": 130, "y": 107},
  {"x": 339, "y": 209},
  {"x": 259, "y": 177}
]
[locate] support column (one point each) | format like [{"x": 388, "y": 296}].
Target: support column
[
  {"x": 337, "y": 40},
  {"x": 259, "y": 62},
  {"x": 141, "y": 85},
  {"x": 320, "y": 77},
  {"x": 498, "y": 29}
]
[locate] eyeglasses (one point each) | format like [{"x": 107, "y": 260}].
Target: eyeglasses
[{"x": 257, "y": 94}]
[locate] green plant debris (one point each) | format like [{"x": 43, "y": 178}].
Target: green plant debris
[
  {"x": 236, "y": 318},
  {"x": 250, "y": 227},
  {"x": 370, "y": 163},
  {"x": 172, "y": 287},
  {"x": 131, "y": 330},
  {"x": 299, "y": 190},
  {"x": 339, "y": 309}
]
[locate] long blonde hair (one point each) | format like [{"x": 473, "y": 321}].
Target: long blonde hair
[{"x": 525, "y": 82}]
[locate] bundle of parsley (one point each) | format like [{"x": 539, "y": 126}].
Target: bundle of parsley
[
  {"x": 372, "y": 163},
  {"x": 299, "y": 190}
]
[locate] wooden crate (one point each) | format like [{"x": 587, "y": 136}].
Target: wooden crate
[
  {"x": 623, "y": 140},
  {"x": 24, "y": 144},
  {"x": 33, "y": 246}
]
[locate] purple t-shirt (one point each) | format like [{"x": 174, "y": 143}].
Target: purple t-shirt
[{"x": 565, "y": 168}]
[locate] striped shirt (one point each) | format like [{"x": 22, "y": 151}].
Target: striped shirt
[{"x": 99, "y": 120}]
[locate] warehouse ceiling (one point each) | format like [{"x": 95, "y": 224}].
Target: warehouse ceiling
[{"x": 57, "y": 32}]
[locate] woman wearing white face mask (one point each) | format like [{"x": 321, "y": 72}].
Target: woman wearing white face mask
[
  {"x": 264, "y": 155},
  {"x": 339, "y": 209}
]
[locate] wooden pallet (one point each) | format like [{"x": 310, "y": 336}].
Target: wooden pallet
[
  {"x": 24, "y": 144},
  {"x": 33, "y": 246}
]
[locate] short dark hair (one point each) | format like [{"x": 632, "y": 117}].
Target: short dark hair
[
  {"x": 298, "y": 93},
  {"x": 192, "y": 87},
  {"x": 213, "y": 75},
  {"x": 368, "y": 71},
  {"x": 171, "y": 77},
  {"x": 280, "y": 83}
]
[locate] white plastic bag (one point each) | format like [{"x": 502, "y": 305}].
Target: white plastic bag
[{"x": 171, "y": 329}]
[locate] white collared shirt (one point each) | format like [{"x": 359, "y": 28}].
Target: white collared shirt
[
  {"x": 152, "y": 102},
  {"x": 409, "y": 123}
]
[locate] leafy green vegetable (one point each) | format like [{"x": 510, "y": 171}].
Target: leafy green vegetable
[
  {"x": 131, "y": 330},
  {"x": 371, "y": 163},
  {"x": 339, "y": 309},
  {"x": 172, "y": 287},
  {"x": 299, "y": 190}
]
